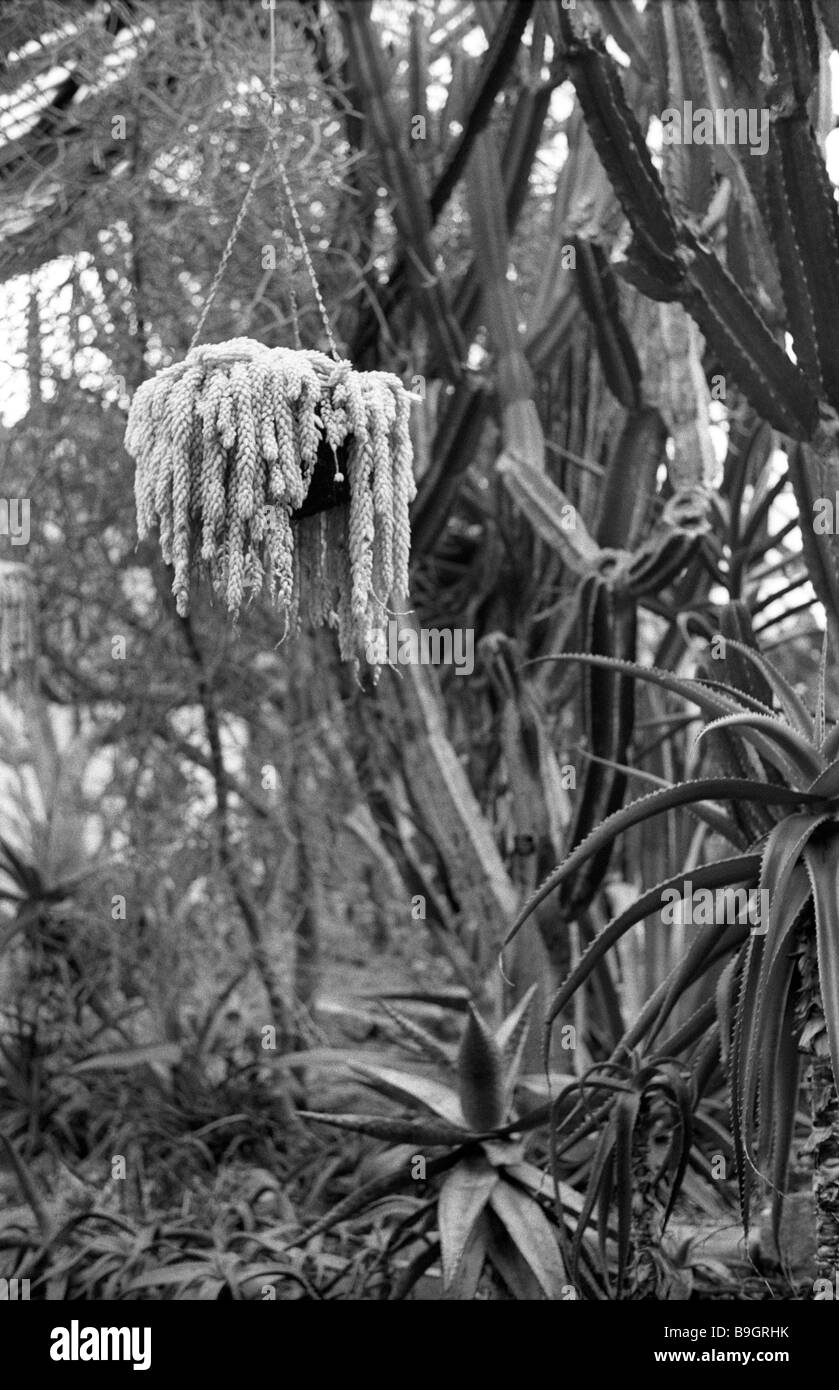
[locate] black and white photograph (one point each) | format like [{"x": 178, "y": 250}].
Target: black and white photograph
[{"x": 419, "y": 671}]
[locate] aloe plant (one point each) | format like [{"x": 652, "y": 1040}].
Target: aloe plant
[
  {"x": 492, "y": 1206},
  {"x": 778, "y": 996},
  {"x": 627, "y": 1106}
]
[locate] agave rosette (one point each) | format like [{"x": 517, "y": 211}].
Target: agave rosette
[{"x": 492, "y": 1205}]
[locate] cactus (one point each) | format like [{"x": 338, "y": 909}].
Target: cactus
[{"x": 667, "y": 260}]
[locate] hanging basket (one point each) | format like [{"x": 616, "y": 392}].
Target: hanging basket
[
  {"x": 17, "y": 624},
  {"x": 279, "y": 470}
]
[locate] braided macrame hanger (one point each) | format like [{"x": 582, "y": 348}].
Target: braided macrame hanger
[{"x": 271, "y": 146}]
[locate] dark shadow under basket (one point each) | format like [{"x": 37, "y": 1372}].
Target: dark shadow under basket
[{"x": 324, "y": 493}]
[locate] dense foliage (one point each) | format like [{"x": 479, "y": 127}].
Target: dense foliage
[{"x": 274, "y": 951}]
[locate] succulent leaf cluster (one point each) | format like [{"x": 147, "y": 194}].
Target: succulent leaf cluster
[{"x": 226, "y": 444}]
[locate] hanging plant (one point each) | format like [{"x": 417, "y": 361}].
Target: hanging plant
[
  {"x": 282, "y": 471},
  {"x": 17, "y": 627}
]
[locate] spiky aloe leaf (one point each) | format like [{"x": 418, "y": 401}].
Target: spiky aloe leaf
[
  {"x": 821, "y": 694},
  {"x": 464, "y": 1286},
  {"x": 724, "y": 996},
  {"x": 797, "y": 714},
  {"x": 734, "y": 622},
  {"x": 742, "y": 1121},
  {"x": 410, "y": 1276},
  {"x": 764, "y": 1002},
  {"x": 520, "y": 1282},
  {"x": 722, "y": 824},
  {"x": 679, "y": 1090},
  {"x": 828, "y": 781},
  {"x": 411, "y": 1089},
  {"x": 480, "y": 1071},
  {"x": 712, "y": 945},
  {"x": 370, "y": 1192},
  {"x": 782, "y": 1092},
  {"x": 426, "y": 1043},
  {"x": 714, "y": 698},
  {"x": 781, "y": 859},
  {"x": 768, "y": 1010},
  {"x": 533, "y": 1235},
  {"x": 697, "y": 1026},
  {"x": 777, "y": 1083},
  {"x": 456, "y": 999},
  {"x": 396, "y": 1130},
  {"x": 777, "y": 989},
  {"x": 742, "y": 869},
  {"x": 538, "y": 1184},
  {"x": 605, "y": 1202},
  {"x": 464, "y": 1193},
  {"x": 702, "y": 789},
  {"x": 511, "y": 1038},
  {"x": 599, "y": 1177},
  {"x": 627, "y": 1107}
]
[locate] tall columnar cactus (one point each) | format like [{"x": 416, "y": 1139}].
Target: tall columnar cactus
[
  {"x": 670, "y": 256},
  {"x": 227, "y": 445}
]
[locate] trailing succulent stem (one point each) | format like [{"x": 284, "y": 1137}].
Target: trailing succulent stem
[{"x": 228, "y": 445}]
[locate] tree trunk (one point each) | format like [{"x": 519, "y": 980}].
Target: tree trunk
[
  {"x": 646, "y": 1266},
  {"x": 824, "y": 1113}
]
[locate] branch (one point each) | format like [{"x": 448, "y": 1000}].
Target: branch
[{"x": 227, "y": 854}]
